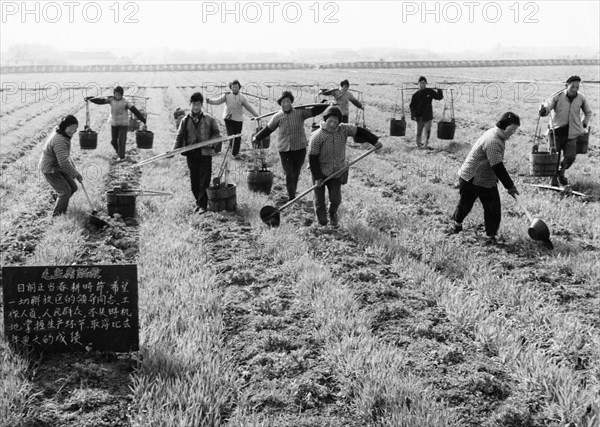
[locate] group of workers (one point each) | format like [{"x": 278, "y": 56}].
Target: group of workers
[{"x": 326, "y": 148}]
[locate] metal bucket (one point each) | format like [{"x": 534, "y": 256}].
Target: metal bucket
[
  {"x": 221, "y": 198},
  {"x": 88, "y": 139},
  {"x": 445, "y": 130},
  {"x": 144, "y": 138},
  {"x": 260, "y": 181},
  {"x": 542, "y": 164},
  {"x": 398, "y": 127},
  {"x": 582, "y": 143},
  {"x": 120, "y": 202}
]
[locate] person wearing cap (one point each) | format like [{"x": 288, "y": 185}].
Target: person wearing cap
[
  {"x": 196, "y": 127},
  {"x": 56, "y": 164},
  {"x": 327, "y": 155},
  {"x": 565, "y": 110},
  {"x": 421, "y": 110},
  {"x": 233, "y": 112},
  {"x": 479, "y": 175},
  {"x": 343, "y": 97},
  {"x": 119, "y": 118},
  {"x": 291, "y": 139}
]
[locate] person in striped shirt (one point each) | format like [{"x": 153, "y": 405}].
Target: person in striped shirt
[
  {"x": 56, "y": 164},
  {"x": 327, "y": 154},
  {"x": 291, "y": 139},
  {"x": 233, "y": 112},
  {"x": 479, "y": 175},
  {"x": 119, "y": 118}
]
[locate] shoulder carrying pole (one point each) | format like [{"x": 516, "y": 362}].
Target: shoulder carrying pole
[{"x": 184, "y": 149}]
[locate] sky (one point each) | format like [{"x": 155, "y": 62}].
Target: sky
[{"x": 286, "y": 26}]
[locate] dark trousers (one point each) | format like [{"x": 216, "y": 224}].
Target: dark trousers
[
  {"x": 490, "y": 199},
  {"x": 234, "y": 127},
  {"x": 334, "y": 186},
  {"x": 64, "y": 186},
  {"x": 292, "y": 162},
  {"x": 423, "y": 125},
  {"x": 119, "y": 139},
  {"x": 568, "y": 147},
  {"x": 200, "y": 172}
]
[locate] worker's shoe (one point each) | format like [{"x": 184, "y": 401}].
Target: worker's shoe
[
  {"x": 491, "y": 241},
  {"x": 335, "y": 220},
  {"x": 455, "y": 228},
  {"x": 554, "y": 181},
  {"x": 562, "y": 179}
]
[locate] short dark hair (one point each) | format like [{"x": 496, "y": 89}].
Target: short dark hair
[
  {"x": 422, "y": 79},
  {"x": 285, "y": 94},
  {"x": 573, "y": 79},
  {"x": 67, "y": 121},
  {"x": 118, "y": 89},
  {"x": 196, "y": 97},
  {"x": 507, "y": 119},
  {"x": 235, "y": 82},
  {"x": 345, "y": 82}
]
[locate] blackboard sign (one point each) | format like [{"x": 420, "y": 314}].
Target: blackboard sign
[{"x": 71, "y": 308}]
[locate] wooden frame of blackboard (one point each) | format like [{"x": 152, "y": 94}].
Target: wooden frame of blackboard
[{"x": 57, "y": 309}]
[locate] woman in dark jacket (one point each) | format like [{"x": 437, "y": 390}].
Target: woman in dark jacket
[{"x": 56, "y": 164}]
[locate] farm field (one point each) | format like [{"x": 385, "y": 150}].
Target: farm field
[{"x": 384, "y": 321}]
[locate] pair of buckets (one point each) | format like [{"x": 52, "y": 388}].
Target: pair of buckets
[
  {"x": 445, "y": 129},
  {"x": 88, "y": 139}
]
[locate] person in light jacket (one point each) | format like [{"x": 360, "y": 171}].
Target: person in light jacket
[
  {"x": 421, "y": 110},
  {"x": 119, "y": 118},
  {"x": 565, "y": 109},
  {"x": 56, "y": 164},
  {"x": 326, "y": 155},
  {"x": 196, "y": 127},
  {"x": 233, "y": 112},
  {"x": 291, "y": 139},
  {"x": 343, "y": 97},
  {"x": 479, "y": 175}
]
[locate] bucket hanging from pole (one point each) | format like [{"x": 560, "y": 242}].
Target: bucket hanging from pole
[
  {"x": 543, "y": 158},
  {"x": 144, "y": 139},
  {"x": 583, "y": 141},
  {"x": 260, "y": 180},
  {"x": 447, "y": 127},
  {"x": 398, "y": 127},
  {"x": 88, "y": 139}
]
